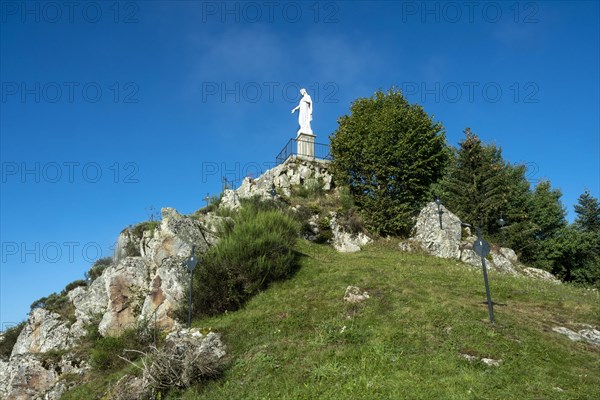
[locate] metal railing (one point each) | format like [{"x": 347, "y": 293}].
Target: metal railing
[{"x": 321, "y": 151}]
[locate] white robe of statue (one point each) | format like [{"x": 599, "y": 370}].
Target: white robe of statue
[{"x": 305, "y": 115}]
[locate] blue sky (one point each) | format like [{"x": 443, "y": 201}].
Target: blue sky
[{"x": 110, "y": 108}]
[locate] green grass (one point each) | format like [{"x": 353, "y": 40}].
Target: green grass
[{"x": 299, "y": 340}]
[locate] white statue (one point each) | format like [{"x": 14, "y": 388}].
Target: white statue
[{"x": 305, "y": 116}]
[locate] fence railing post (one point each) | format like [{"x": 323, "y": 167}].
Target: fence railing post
[{"x": 304, "y": 147}]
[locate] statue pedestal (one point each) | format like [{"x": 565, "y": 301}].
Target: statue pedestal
[{"x": 305, "y": 143}]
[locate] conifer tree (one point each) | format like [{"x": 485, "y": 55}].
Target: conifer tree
[
  {"x": 547, "y": 214},
  {"x": 588, "y": 213},
  {"x": 476, "y": 187}
]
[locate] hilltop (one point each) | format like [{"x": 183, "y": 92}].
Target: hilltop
[{"x": 412, "y": 338}]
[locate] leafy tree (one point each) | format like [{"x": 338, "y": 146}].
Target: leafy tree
[{"x": 388, "y": 152}]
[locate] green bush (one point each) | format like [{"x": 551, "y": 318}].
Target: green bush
[
  {"x": 214, "y": 200},
  {"x": 254, "y": 205},
  {"x": 256, "y": 250},
  {"x": 57, "y": 303},
  {"x": 138, "y": 230},
  {"x": 73, "y": 285},
  {"x": 351, "y": 220},
  {"x": 98, "y": 267},
  {"x": 325, "y": 234},
  {"x": 314, "y": 187},
  {"x": 346, "y": 199},
  {"x": 311, "y": 189},
  {"x": 105, "y": 351},
  {"x": 303, "y": 215},
  {"x": 212, "y": 206},
  {"x": 131, "y": 250},
  {"x": 9, "y": 338},
  {"x": 104, "y": 355}
]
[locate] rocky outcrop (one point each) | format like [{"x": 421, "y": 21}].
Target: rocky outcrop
[
  {"x": 500, "y": 258},
  {"x": 148, "y": 289},
  {"x": 345, "y": 241},
  {"x": 36, "y": 375},
  {"x": 313, "y": 175},
  {"x": 26, "y": 378},
  {"x": 587, "y": 334},
  {"x": 125, "y": 286},
  {"x": 144, "y": 285},
  {"x": 44, "y": 331},
  {"x": 40, "y": 357},
  {"x": 167, "y": 289},
  {"x": 175, "y": 236},
  {"x": 447, "y": 242},
  {"x": 144, "y": 289},
  {"x": 90, "y": 302},
  {"x": 128, "y": 244},
  {"x": 537, "y": 273},
  {"x": 442, "y": 242},
  {"x": 294, "y": 171},
  {"x": 354, "y": 295}
]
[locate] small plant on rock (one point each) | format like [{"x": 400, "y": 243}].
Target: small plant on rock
[
  {"x": 9, "y": 338},
  {"x": 98, "y": 267}
]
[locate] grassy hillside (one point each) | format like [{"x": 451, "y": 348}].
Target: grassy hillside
[{"x": 300, "y": 340}]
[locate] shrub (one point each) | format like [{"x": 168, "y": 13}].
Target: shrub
[
  {"x": 351, "y": 220},
  {"x": 52, "y": 357},
  {"x": 346, "y": 200},
  {"x": 104, "y": 355},
  {"x": 214, "y": 200},
  {"x": 325, "y": 234},
  {"x": 56, "y": 303},
  {"x": 9, "y": 338},
  {"x": 180, "y": 365},
  {"x": 131, "y": 250},
  {"x": 105, "y": 352},
  {"x": 303, "y": 215},
  {"x": 52, "y": 302},
  {"x": 314, "y": 187},
  {"x": 311, "y": 189},
  {"x": 257, "y": 249},
  {"x": 224, "y": 212},
  {"x": 73, "y": 285},
  {"x": 138, "y": 230},
  {"x": 212, "y": 206},
  {"x": 255, "y": 204},
  {"x": 98, "y": 267}
]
